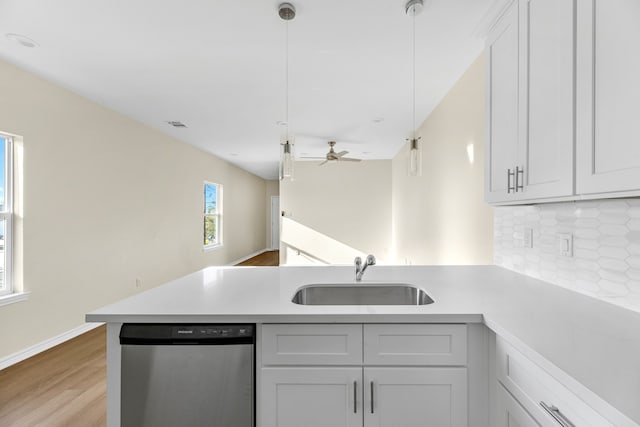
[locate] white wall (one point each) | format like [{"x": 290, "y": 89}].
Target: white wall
[
  {"x": 441, "y": 217},
  {"x": 336, "y": 212},
  {"x": 107, "y": 200}
]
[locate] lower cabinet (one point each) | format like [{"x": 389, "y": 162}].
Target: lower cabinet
[
  {"x": 369, "y": 396},
  {"x": 509, "y": 413},
  {"x": 311, "y": 397},
  {"x": 354, "y": 375}
]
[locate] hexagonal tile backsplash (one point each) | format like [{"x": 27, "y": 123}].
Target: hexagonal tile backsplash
[{"x": 606, "y": 246}]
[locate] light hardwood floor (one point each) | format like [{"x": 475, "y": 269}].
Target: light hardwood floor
[
  {"x": 63, "y": 386},
  {"x": 66, "y": 385},
  {"x": 266, "y": 259}
]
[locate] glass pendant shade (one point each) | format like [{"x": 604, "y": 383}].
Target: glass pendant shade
[
  {"x": 286, "y": 158},
  {"x": 415, "y": 157}
]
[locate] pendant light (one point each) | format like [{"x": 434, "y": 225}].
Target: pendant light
[
  {"x": 287, "y": 12},
  {"x": 413, "y": 8}
]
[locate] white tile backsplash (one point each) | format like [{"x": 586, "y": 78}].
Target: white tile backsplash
[{"x": 606, "y": 246}]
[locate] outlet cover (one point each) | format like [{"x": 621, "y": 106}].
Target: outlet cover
[{"x": 565, "y": 244}]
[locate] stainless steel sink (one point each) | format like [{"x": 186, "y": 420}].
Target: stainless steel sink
[{"x": 365, "y": 294}]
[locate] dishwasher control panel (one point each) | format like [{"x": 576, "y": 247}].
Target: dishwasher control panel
[
  {"x": 212, "y": 331},
  {"x": 186, "y": 334}
]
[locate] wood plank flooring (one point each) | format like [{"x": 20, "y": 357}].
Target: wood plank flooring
[
  {"x": 67, "y": 384},
  {"x": 63, "y": 386},
  {"x": 266, "y": 259}
]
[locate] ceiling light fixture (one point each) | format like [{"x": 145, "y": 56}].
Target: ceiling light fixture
[
  {"x": 413, "y": 8},
  {"x": 23, "y": 41},
  {"x": 287, "y": 12}
]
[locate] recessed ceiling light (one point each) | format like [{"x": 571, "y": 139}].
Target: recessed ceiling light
[
  {"x": 378, "y": 120},
  {"x": 233, "y": 154},
  {"x": 21, "y": 40},
  {"x": 281, "y": 123}
]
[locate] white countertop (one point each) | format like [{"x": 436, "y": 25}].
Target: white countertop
[{"x": 595, "y": 342}]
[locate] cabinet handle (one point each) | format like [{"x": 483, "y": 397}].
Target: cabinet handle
[
  {"x": 557, "y": 415},
  {"x": 519, "y": 182},
  {"x": 509, "y": 187},
  {"x": 355, "y": 397},
  {"x": 372, "y": 387}
]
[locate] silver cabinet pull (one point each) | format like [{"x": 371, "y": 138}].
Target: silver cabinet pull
[
  {"x": 509, "y": 187},
  {"x": 519, "y": 181},
  {"x": 372, "y": 387},
  {"x": 557, "y": 415},
  {"x": 355, "y": 397}
]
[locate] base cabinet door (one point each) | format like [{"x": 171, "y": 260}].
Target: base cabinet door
[
  {"x": 415, "y": 397},
  {"x": 311, "y": 397},
  {"x": 509, "y": 413}
]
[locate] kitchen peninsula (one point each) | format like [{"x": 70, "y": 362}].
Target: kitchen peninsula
[{"x": 588, "y": 346}]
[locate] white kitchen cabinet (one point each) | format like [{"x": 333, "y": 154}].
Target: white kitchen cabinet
[
  {"x": 608, "y": 150},
  {"x": 530, "y": 103},
  {"x": 509, "y": 413},
  {"x": 543, "y": 396},
  {"x": 426, "y": 386},
  {"x": 311, "y": 397},
  {"x": 502, "y": 102},
  {"x": 415, "y": 397}
]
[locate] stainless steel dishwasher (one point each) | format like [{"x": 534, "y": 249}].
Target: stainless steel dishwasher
[{"x": 187, "y": 375}]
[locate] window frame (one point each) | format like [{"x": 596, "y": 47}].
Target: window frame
[
  {"x": 7, "y": 215},
  {"x": 218, "y": 216}
]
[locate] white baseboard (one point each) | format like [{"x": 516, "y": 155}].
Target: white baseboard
[
  {"x": 238, "y": 261},
  {"x": 28, "y": 352}
]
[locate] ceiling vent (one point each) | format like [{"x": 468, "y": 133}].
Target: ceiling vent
[{"x": 177, "y": 124}]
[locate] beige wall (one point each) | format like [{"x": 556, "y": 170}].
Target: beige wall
[
  {"x": 441, "y": 217},
  {"x": 108, "y": 201},
  {"x": 272, "y": 189},
  {"x": 336, "y": 212}
]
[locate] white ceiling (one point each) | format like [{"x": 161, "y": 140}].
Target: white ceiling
[{"x": 219, "y": 67}]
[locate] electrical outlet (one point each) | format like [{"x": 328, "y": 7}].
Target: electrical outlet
[
  {"x": 138, "y": 282},
  {"x": 528, "y": 238},
  {"x": 565, "y": 243}
]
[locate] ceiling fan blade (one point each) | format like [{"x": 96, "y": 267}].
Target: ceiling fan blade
[
  {"x": 342, "y": 153},
  {"x": 315, "y": 158},
  {"x": 322, "y": 163},
  {"x": 348, "y": 159}
]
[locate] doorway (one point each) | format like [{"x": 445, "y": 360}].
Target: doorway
[{"x": 275, "y": 222}]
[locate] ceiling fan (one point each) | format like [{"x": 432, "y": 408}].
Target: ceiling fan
[{"x": 333, "y": 156}]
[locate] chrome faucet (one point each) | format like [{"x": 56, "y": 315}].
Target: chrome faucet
[{"x": 360, "y": 268}]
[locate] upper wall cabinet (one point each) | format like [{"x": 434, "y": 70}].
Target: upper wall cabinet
[
  {"x": 608, "y": 96},
  {"x": 530, "y": 103}
]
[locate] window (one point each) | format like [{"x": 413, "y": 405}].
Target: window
[
  {"x": 6, "y": 213},
  {"x": 212, "y": 215}
]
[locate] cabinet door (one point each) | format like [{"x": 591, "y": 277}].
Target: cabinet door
[
  {"x": 311, "y": 397},
  {"x": 501, "y": 107},
  {"x": 415, "y": 397},
  {"x": 607, "y": 96},
  {"x": 546, "y": 124},
  {"x": 509, "y": 411}
]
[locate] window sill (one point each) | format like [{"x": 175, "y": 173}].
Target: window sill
[
  {"x": 11, "y": 298},
  {"x": 211, "y": 247}
]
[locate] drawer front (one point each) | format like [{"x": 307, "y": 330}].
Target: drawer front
[
  {"x": 414, "y": 344},
  {"x": 532, "y": 387},
  {"x": 284, "y": 344},
  {"x": 509, "y": 413}
]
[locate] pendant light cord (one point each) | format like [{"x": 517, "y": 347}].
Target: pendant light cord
[
  {"x": 414, "y": 72},
  {"x": 286, "y": 74}
]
